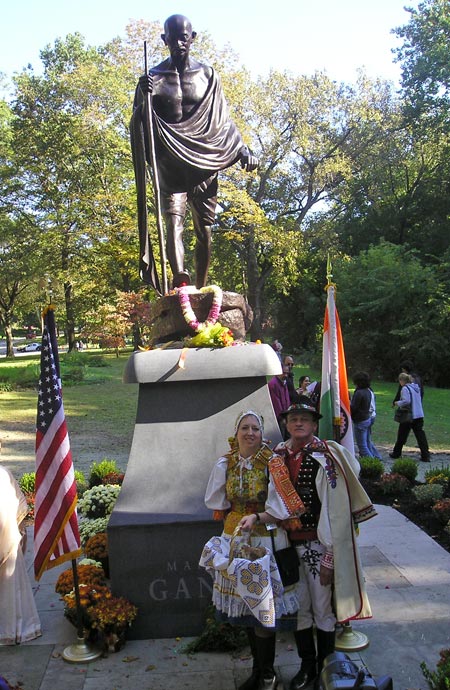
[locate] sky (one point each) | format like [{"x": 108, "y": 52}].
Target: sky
[{"x": 301, "y": 36}]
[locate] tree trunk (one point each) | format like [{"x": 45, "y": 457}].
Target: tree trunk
[
  {"x": 254, "y": 289},
  {"x": 70, "y": 318},
  {"x": 9, "y": 339}
]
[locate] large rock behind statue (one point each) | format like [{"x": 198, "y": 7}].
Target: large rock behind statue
[{"x": 169, "y": 322}]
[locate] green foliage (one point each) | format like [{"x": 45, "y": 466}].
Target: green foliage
[
  {"x": 425, "y": 61},
  {"x": 27, "y": 482},
  {"x": 428, "y": 494},
  {"x": 394, "y": 484},
  {"x": 371, "y": 468},
  {"x": 81, "y": 483},
  {"x": 72, "y": 375},
  {"x": 99, "y": 470},
  {"x": 89, "y": 527},
  {"x": 17, "y": 378},
  {"x": 217, "y": 637},
  {"x": 96, "y": 361},
  {"x": 99, "y": 501},
  {"x": 441, "y": 510},
  {"x": 407, "y": 467},
  {"x": 439, "y": 679},
  {"x": 438, "y": 475}
]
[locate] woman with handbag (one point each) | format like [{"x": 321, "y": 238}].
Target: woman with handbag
[
  {"x": 409, "y": 415},
  {"x": 249, "y": 489}
]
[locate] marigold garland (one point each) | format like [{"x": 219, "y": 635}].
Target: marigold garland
[{"x": 188, "y": 312}]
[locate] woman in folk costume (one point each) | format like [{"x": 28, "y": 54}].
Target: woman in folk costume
[
  {"x": 19, "y": 620},
  {"x": 249, "y": 488}
]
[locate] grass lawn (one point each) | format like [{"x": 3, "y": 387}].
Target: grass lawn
[
  {"x": 101, "y": 411},
  {"x": 436, "y": 405}
]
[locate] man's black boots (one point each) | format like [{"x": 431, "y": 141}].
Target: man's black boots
[
  {"x": 325, "y": 646},
  {"x": 307, "y": 653},
  {"x": 253, "y": 681}
]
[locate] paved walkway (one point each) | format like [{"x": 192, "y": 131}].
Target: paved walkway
[{"x": 408, "y": 580}]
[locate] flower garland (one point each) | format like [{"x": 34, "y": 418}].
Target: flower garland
[{"x": 188, "y": 312}]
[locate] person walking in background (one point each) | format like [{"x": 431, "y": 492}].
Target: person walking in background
[
  {"x": 19, "y": 620},
  {"x": 410, "y": 399},
  {"x": 407, "y": 367},
  {"x": 373, "y": 416},
  {"x": 360, "y": 407}
]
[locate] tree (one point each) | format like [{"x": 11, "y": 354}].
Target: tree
[
  {"x": 425, "y": 59},
  {"x": 393, "y": 308},
  {"x": 71, "y": 142}
]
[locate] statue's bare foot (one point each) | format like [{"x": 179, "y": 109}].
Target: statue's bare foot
[{"x": 181, "y": 279}]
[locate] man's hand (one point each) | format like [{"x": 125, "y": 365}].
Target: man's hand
[
  {"x": 326, "y": 576},
  {"x": 249, "y": 162},
  {"x": 146, "y": 83}
]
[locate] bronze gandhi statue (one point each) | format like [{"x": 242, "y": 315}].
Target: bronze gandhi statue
[{"x": 194, "y": 138}]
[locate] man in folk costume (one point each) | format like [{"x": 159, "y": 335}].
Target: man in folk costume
[{"x": 331, "y": 586}]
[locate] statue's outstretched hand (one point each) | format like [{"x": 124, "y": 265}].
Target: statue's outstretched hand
[
  {"x": 146, "y": 83},
  {"x": 249, "y": 162}
]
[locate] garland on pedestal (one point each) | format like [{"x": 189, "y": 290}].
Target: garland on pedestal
[
  {"x": 209, "y": 333},
  {"x": 188, "y": 312}
]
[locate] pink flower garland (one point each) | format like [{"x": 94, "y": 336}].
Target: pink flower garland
[{"x": 188, "y": 312}]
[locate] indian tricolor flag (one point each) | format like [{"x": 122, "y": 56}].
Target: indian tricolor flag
[{"x": 336, "y": 423}]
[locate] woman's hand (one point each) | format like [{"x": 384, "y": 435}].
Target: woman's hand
[{"x": 247, "y": 522}]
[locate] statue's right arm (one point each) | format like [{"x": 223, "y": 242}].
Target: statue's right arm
[{"x": 146, "y": 83}]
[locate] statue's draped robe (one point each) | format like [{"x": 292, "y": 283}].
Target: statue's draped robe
[{"x": 207, "y": 140}]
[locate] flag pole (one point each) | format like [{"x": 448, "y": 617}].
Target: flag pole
[
  {"x": 80, "y": 652},
  {"x": 335, "y": 384},
  {"x": 347, "y": 640},
  {"x": 155, "y": 180}
]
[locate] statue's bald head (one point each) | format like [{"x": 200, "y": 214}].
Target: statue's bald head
[
  {"x": 178, "y": 28},
  {"x": 175, "y": 22}
]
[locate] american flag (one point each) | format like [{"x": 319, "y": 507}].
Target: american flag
[{"x": 56, "y": 536}]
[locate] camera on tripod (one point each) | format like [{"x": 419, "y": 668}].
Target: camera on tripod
[{"x": 339, "y": 672}]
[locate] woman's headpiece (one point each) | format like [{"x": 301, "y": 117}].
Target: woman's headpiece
[{"x": 241, "y": 416}]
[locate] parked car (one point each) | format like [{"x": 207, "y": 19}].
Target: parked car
[{"x": 31, "y": 347}]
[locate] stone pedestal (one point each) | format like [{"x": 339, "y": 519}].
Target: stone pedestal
[{"x": 160, "y": 523}]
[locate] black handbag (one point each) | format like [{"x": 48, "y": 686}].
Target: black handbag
[
  {"x": 403, "y": 415},
  {"x": 287, "y": 562}
]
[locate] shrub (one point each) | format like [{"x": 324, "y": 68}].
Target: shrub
[
  {"x": 5, "y": 387},
  {"x": 371, "y": 468},
  {"x": 27, "y": 482},
  {"x": 81, "y": 483},
  {"x": 98, "y": 470},
  {"x": 441, "y": 510},
  {"x": 438, "y": 475},
  {"x": 439, "y": 679},
  {"x": 406, "y": 467},
  {"x": 72, "y": 375},
  {"x": 99, "y": 501},
  {"x": 391, "y": 484},
  {"x": 427, "y": 494},
  {"x": 217, "y": 636},
  {"x": 113, "y": 478},
  {"x": 96, "y": 547},
  {"x": 88, "y": 527},
  {"x": 87, "y": 575},
  {"x": 97, "y": 361}
]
